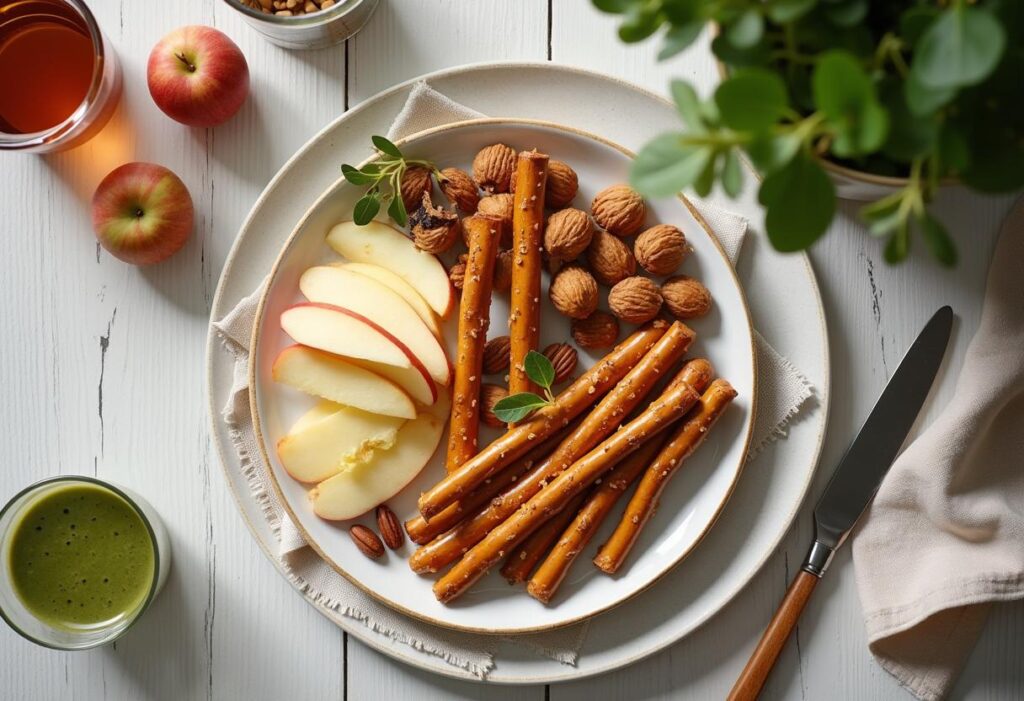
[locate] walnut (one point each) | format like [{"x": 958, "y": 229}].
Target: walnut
[
  {"x": 563, "y": 359},
  {"x": 619, "y": 209},
  {"x": 493, "y": 167},
  {"x": 635, "y": 300},
  {"x": 503, "y": 272},
  {"x": 568, "y": 233},
  {"x": 460, "y": 189},
  {"x": 610, "y": 259},
  {"x": 573, "y": 292},
  {"x": 562, "y": 185},
  {"x": 415, "y": 183},
  {"x": 660, "y": 249},
  {"x": 489, "y": 396},
  {"x": 685, "y": 297},
  {"x": 496, "y": 355},
  {"x": 499, "y": 205},
  {"x": 457, "y": 273},
  {"x": 434, "y": 229},
  {"x": 599, "y": 330}
]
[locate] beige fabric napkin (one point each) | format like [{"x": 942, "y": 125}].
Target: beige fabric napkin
[
  {"x": 782, "y": 391},
  {"x": 945, "y": 535}
]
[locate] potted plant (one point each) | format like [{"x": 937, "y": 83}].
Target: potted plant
[{"x": 894, "y": 97}]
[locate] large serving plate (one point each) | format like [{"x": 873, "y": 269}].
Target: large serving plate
[{"x": 691, "y": 503}]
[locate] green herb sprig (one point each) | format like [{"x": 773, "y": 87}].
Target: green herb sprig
[
  {"x": 516, "y": 407},
  {"x": 916, "y": 89},
  {"x": 387, "y": 172}
]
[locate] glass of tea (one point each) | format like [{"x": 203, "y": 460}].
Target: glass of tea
[
  {"x": 82, "y": 560},
  {"x": 59, "y": 76}
]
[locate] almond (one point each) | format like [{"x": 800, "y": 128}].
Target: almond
[
  {"x": 563, "y": 359},
  {"x": 367, "y": 541},
  {"x": 619, "y": 209},
  {"x": 415, "y": 183},
  {"x": 493, "y": 167},
  {"x": 599, "y": 330},
  {"x": 460, "y": 189},
  {"x": 660, "y": 249},
  {"x": 489, "y": 396},
  {"x": 496, "y": 355},
  {"x": 390, "y": 527},
  {"x": 610, "y": 259},
  {"x": 635, "y": 300}
]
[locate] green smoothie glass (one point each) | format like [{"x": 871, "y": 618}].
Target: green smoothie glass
[{"x": 82, "y": 559}]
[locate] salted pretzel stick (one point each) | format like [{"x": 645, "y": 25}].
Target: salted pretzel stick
[
  {"x": 521, "y": 561},
  {"x": 602, "y": 499},
  {"x": 527, "y": 232},
  {"x": 591, "y": 386},
  {"x": 594, "y": 428},
  {"x": 644, "y": 501},
  {"x": 482, "y": 235},
  {"x": 662, "y": 413},
  {"x": 422, "y": 531}
]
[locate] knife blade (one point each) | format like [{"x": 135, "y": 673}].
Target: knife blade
[
  {"x": 851, "y": 489},
  {"x": 873, "y": 451}
]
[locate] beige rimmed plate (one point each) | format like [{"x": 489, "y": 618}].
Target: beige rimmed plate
[{"x": 690, "y": 505}]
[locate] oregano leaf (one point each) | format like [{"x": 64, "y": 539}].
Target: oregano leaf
[
  {"x": 539, "y": 369},
  {"x": 385, "y": 146},
  {"x": 366, "y": 209},
  {"x": 517, "y": 406}
]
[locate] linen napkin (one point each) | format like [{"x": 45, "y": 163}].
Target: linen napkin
[
  {"x": 782, "y": 390},
  {"x": 944, "y": 537}
]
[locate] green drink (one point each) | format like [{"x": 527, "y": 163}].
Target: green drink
[{"x": 82, "y": 561}]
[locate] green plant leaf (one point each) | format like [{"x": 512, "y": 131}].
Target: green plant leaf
[
  {"x": 909, "y": 136},
  {"x": 683, "y": 11},
  {"x": 846, "y": 96},
  {"x": 396, "y": 210},
  {"x": 800, "y": 201},
  {"x": 899, "y": 244},
  {"x": 516, "y": 407},
  {"x": 914, "y": 21},
  {"x": 385, "y": 146},
  {"x": 356, "y": 177},
  {"x": 614, "y": 7},
  {"x": 769, "y": 152},
  {"x": 747, "y": 30},
  {"x": 732, "y": 174},
  {"x": 687, "y": 105},
  {"x": 961, "y": 47},
  {"x": 706, "y": 180},
  {"x": 666, "y": 165},
  {"x": 753, "y": 99},
  {"x": 786, "y": 11},
  {"x": 366, "y": 209},
  {"x": 640, "y": 21},
  {"x": 679, "y": 38},
  {"x": 938, "y": 240},
  {"x": 953, "y": 149},
  {"x": 847, "y": 13},
  {"x": 923, "y": 100},
  {"x": 539, "y": 369},
  {"x": 373, "y": 168}
]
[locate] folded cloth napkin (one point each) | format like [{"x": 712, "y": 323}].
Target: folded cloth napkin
[
  {"x": 782, "y": 390},
  {"x": 944, "y": 538}
]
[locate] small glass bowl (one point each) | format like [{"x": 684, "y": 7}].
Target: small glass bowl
[
  {"x": 20, "y": 619},
  {"x": 313, "y": 31}
]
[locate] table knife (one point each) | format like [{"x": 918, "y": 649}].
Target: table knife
[{"x": 851, "y": 489}]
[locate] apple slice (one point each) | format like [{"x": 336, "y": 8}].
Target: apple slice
[
  {"x": 383, "y": 245},
  {"x": 400, "y": 287},
  {"x": 331, "y": 377},
  {"x": 368, "y": 298},
  {"x": 354, "y": 492},
  {"x": 416, "y": 384},
  {"x": 343, "y": 440},
  {"x": 322, "y": 410}
]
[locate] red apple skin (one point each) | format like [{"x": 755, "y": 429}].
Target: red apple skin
[
  {"x": 198, "y": 76},
  {"x": 142, "y": 213}
]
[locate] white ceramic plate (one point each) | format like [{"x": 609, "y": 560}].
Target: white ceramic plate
[
  {"x": 690, "y": 504},
  {"x": 765, "y": 501}
]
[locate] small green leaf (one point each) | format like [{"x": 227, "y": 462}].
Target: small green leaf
[
  {"x": 772, "y": 152},
  {"x": 786, "y": 11},
  {"x": 539, "y": 369},
  {"x": 385, "y": 146},
  {"x": 687, "y": 105},
  {"x": 614, "y": 7},
  {"x": 356, "y": 177},
  {"x": 366, "y": 209},
  {"x": 679, "y": 38},
  {"x": 914, "y": 21},
  {"x": 666, "y": 165},
  {"x": 640, "y": 22},
  {"x": 800, "y": 200},
  {"x": 961, "y": 47},
  {"x": 396, "y": 210},
  {"x": 747, "y": 30},
  {"x": 848, "y": 13},
  {"x": 846, "y": 95},
  {"x": 923, "y": 100},
  {"x": 517, "y": 406},
  {"x": 938, "y": 240},
  {"x": 706, "y": 180},
  {"x": 373, "y": 168},
  {"x": 754, "y": 99},
  {"x": 953, "y": 149},
  {"x": 899, "y": 245},
  {"x": 732, "y": 174}
]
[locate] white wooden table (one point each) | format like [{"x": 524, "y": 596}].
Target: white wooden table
[{"x": 102, "y": 374}]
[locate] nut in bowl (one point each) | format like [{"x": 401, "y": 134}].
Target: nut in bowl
[{"x": 435, "y": 494}]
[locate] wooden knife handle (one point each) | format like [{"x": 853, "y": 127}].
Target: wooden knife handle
[{"x": 759, "y": 666}]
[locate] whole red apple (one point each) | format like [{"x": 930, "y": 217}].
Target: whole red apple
[
  {"x": 197, "y": 76},
  {"x": 142, "y": 213}
]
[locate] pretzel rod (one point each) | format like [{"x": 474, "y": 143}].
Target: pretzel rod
[
  {"x": 482, "y": 235},
  {"x": 521, "y": 561},
  {"x": 422, "y": 531},
  {"x": 594, "y": 428},
  {"x": 668, "y": 408},
  {"x": 572, "y": 401},
  {"x": 644, "y": 501},
  {"x": 602, "y": 499},
  {"x": 527, "y": 232}
]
